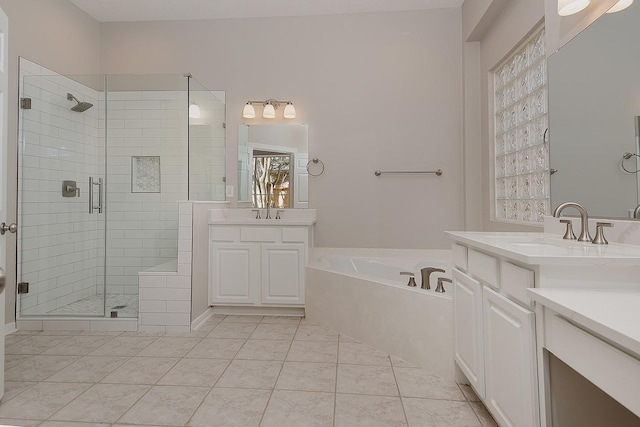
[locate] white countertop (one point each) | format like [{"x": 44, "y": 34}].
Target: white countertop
[
  {"x": 289, "y": 217},
  {"x": 263, "y": 222},
  {"x": 612, "y": 314},
  {"x": 541, "y": 248}
]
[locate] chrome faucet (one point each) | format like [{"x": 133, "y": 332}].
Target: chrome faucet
[
  {"x": 636, "y": 212},
  {"x": 584, "y": 219}
]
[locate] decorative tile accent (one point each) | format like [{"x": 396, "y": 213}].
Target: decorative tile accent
[
  {"x": 520, "y": 104},
  {"x": 145, "y": 174}
]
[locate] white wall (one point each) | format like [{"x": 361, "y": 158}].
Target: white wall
[
  {"x": 498, "y": 27},
  {"x": 379, "y": 91},
  {"x": 61, "y": 37}
]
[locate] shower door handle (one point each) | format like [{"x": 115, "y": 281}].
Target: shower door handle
[
  {"x": 99, "y": 195},
  {"x": 91, "y": 205}
]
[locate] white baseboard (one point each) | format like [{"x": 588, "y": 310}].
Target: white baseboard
[
  {"x": 10, "y": 328},
  {"x": 199, "y": 321}
]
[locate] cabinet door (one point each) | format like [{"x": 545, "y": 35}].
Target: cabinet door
[
  {"x": 467, "y": 315},
  {"x": 511, "y": 378},
  {"x": 283, "y": 273},
  {"x": 234, "y": 273}
]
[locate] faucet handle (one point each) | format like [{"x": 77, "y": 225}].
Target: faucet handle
[
  {"x": 440, "y": 286},
  {"x": 257, "y": 211},
  {"x": 278, "y": 212},
  {"x": 600, "y": 239},
  {"x": 569, "y": 234},
  {"x": 412, "y": 281}
]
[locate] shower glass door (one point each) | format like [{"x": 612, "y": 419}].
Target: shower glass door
[{"x": 61, "y": 165}]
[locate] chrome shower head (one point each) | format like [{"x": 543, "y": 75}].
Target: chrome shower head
[{"x": 80, "y": 106}]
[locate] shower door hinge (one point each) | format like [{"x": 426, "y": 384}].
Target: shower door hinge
[
  {"x": 23, "y": 287},
  {"x": 25, "y": 103}
]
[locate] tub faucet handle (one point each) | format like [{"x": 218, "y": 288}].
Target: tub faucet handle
[
  {"x": 412, "y": 281},
  {"x": 440, "y": 286},
  {"x": 257, "y": 211},
  {"x": 568, "y": 234},
  {"x": 278, "y": 213},
  {"x": 426, "y": 274}
]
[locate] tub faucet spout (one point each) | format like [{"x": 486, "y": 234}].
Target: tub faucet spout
[
  {"x": 426, "y": 274},
  {"x": 584, "y": 219}
]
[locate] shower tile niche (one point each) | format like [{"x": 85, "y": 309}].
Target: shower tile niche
[{"x": 145, "y": 174}]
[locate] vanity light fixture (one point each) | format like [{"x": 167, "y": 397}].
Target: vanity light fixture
[
  {"x": 194, "y": 111},
  {"x": 269, "y": 109},
  {"x": 621, "y": 5},
  {"x": 569, "y": 7}
]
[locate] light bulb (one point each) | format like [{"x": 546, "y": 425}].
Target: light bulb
[
  {"x": 569, "y": 7},
  {"x": 248, "y": 112},
  {"x": 289, "y": 111},
  {"x": 621, "y": 5},
  {"x": 194, "y": 111},
  {"x": 269, "y": 111}
]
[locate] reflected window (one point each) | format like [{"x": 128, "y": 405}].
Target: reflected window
[{"x": 271, "y": 179}]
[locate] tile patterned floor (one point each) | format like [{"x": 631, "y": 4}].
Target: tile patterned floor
[
  {"x": 94, "y": 306},
  {"x": 235, "y": 371}
]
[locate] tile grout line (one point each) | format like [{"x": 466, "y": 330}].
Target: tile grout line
[
  {"x": 279, "y": 373},
  {"x": 335, "y": 388},
  {"x": 404, "y": 411}
]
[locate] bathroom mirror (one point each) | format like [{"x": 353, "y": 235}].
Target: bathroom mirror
[
  {"x": 594, "y": 98},
  {"x": 272, "y": 165}
]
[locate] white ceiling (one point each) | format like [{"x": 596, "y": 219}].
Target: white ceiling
[{"x": 167, "y": 10}]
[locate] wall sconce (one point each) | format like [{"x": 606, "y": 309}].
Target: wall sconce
[
  {"x": 269, "y": 109},
  {"x": 621, "y": 5},
  {"x": 194, "y": 111},
  {"x": 569, "y": 7}
]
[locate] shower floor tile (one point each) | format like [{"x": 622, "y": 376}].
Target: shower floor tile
[
  {"x": 125, "y": 305},
  {"x": 309, "y": 376}
]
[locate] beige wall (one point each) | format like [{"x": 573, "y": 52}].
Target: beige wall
[
  {"x": 59, "y": 36},
  {"x": 379, "y": 91}
]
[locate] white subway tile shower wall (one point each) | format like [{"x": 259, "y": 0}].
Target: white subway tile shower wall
[
  {"x": 165, "y": 298},
  {"x": 58, "y": 242},
  {"x": 142, "y": 228}
]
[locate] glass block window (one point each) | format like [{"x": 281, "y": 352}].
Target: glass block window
[{"x": 521, "y": 150}]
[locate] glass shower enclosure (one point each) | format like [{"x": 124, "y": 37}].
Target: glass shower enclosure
[{"x": 102, "y": 164}]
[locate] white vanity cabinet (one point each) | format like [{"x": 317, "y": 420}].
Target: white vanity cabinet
[
  {"x": 503, "y": 336},
  {"x": 257, "y": 265},
  {"x": 494, "y": 335}
]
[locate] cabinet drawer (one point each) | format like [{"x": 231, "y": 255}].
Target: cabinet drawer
[
  {"x": 484, "y": 267},
  {"x": 223, "y": 234},
  {"x": 257, "y": 234},
  {"x": 459, "y": 255},
  {"x": 294, "y": 235},
  {"x": 515, "y": 280}
]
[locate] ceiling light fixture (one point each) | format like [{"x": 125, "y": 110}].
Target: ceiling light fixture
[
  {"x": 269, "y": 108},
  {"x": 569, "y": 7},
  {"x": 621, "y": 5}
]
